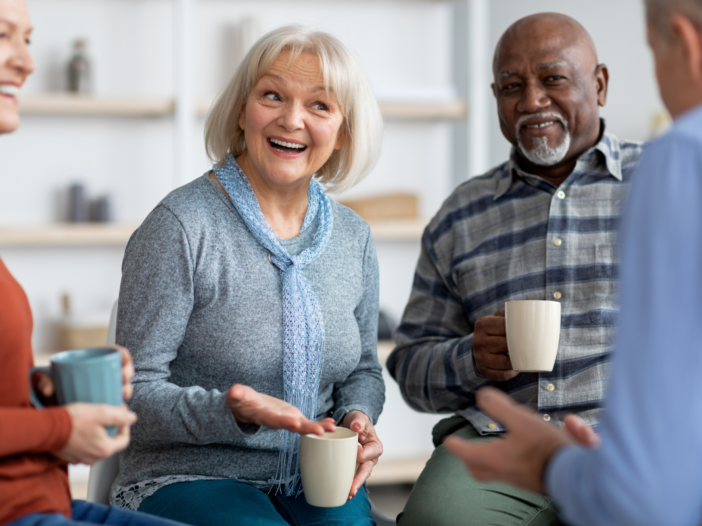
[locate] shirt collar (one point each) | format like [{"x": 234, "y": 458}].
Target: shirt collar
[{"x": 608, "y": 146}]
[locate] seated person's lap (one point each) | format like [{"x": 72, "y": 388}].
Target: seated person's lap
[
  {"x": 230, "y": 503},
  {"x": 446, "y": 494}
]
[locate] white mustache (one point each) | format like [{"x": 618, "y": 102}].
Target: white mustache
[{"x": 544, "y": 115}]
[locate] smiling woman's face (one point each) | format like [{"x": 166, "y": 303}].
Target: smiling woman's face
[
  {"x": 15, "y": 61},
  {"x": 291, "y": 124}
]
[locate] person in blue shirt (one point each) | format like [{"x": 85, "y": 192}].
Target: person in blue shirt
[{"x": 645, "y": 468}]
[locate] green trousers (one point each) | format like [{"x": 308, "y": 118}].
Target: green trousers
[{"x": 446, "y": 495}]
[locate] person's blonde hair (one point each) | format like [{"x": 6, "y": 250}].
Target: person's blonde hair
[{"x": 342, "y": 73}]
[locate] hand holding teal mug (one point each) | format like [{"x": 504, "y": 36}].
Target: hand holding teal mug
[{"x": 84, "y": 375}]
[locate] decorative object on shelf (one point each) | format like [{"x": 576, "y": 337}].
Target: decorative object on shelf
[
  {"x": 78, "y": 332},
  {"x": 79, "y": 69},
  {"x": 81, "y": 209},
  {"x": 77, "y": 204},
  {"x": 101, "y": 209},
  {"x": 387, "y": 206},
  {"x": 661, "y": 123}
]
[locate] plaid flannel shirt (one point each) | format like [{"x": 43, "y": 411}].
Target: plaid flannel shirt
[{"x": 509, "y": 235}]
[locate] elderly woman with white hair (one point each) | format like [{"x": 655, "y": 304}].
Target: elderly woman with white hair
[{"x": 249, "y": 299}]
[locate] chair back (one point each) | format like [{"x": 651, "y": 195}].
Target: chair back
[{"x": 104, "y": 472}]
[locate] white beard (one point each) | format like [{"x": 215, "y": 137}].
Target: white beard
[{"x": 541, "y": 153}]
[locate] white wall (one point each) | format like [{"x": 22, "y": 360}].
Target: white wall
[{"x": 617, "y": 27}]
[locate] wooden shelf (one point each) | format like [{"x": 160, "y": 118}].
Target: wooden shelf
[
  {"x": 80, "y": 105},
  {"x": 398, "y": 230},
  {"x": 66, "y": 235},
  {"x": 85, "y": 235},
  {"x": 64, "y": 104},
  {"x": 450, "y": 110}
]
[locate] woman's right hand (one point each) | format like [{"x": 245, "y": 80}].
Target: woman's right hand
[
  {"x": 89, "y": 441},
  {"x": 251, "y": 407}
]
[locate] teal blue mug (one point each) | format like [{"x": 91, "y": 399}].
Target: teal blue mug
[{"x": 84, "y": 375}]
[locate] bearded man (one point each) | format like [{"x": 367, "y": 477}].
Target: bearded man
[{"x": 541, "y": 226}]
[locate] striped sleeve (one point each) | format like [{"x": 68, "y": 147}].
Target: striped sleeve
[{"x": 433, "y": 358}]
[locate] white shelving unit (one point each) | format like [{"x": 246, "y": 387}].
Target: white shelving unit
[
  {"x": 61, "y": 104},
  {"x": 181, "y": 112},
  {"x": 94, "y": 235}
]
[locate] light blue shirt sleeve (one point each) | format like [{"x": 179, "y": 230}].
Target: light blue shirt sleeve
[{"x": 648, "y": 470}]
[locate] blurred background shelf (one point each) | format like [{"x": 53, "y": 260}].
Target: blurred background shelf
[
  {"x": 66, "y": 235},
  {"x": 73, "y": 105},
  {"x": 78, "y": 105},
  {"x": 86, "y": 235}
]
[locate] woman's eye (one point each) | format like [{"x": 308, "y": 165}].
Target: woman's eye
[
  {"x": 271, "y": 95},
  {"x": 320, "y": 106}
]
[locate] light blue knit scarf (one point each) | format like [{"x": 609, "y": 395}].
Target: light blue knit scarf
[{"x": 303, "y": 340}]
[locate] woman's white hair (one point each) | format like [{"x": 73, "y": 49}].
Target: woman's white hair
[{"x": 342, "y": 73}]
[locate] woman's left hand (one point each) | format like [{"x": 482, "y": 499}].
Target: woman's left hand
[{"x": 370, "y": 450}]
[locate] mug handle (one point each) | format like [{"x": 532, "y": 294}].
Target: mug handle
[{"x": 32, "y": 395}]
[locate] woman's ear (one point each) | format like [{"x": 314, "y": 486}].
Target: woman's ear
[
  {"x": 341, "y": 137},
  {"x": 242, "y": 117}
]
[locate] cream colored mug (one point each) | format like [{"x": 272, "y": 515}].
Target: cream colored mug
[
  {"x": 533, "y": 331},
  {"x": 327, "y": 466}
]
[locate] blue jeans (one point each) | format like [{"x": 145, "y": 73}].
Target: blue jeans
[
  {"x": 232, "y": 503},
  {"x": 84, "y": 513}
]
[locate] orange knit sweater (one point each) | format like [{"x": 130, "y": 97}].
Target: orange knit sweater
[{"x": 32, "y": 480}]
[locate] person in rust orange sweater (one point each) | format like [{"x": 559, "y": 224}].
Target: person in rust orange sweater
[{"x": 36, "y": 445}]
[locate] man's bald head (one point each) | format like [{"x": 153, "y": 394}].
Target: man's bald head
[
  {"x": 546, "y": 30},
  {"x": 549, "y": 87}
]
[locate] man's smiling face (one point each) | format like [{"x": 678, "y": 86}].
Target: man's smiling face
[{"x": 548, "y": 87}]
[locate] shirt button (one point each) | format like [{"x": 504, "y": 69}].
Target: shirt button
[
  {"x": 547, "y": 418},
  {"x": 560, "y": 194},
  {"x": 492, "y": 426},
  {"x": 558, "y": 241},
  {"x": 557, "y": 295},
  {"x": 550, "y": 387}
]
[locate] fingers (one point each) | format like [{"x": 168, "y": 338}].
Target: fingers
[
  {"x": 362, "y": 474},
  {"x": 580, "y": 432},
  {"x": 500, "y": 312},
  {"x": 109, "y": 415},
  {"x": 491, "y": 325},
  {"x": 370, "y": 450},
  {"x": 473, "y": 456},
  {"x": 45, "y": 385},
  {"x": 121, "y": 440},
  {"x": 498, "y": 375},
  {"x": 127, "y": 372},
  {"x": 304, "y": 426},
  {"x": 500, "y": 407}
]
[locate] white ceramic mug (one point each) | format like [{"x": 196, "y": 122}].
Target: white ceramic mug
[
  {"x": 327, "y": 467},
  {"x": 533, "y": 331}
]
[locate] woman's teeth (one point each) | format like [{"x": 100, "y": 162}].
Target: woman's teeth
[
  {"x": 9, "y": 89},
  {"x": 286, "y": 146}
]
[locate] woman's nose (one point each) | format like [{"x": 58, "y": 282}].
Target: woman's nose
[
  {"x": 293, "y": 116},
  {"x": 534, "y": 98},
  {"x": 21, "y": 59}
]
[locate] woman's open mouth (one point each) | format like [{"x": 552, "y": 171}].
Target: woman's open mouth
[
  {"x": 286, "y": 147},
  {"x": 9, "y": 90}
]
